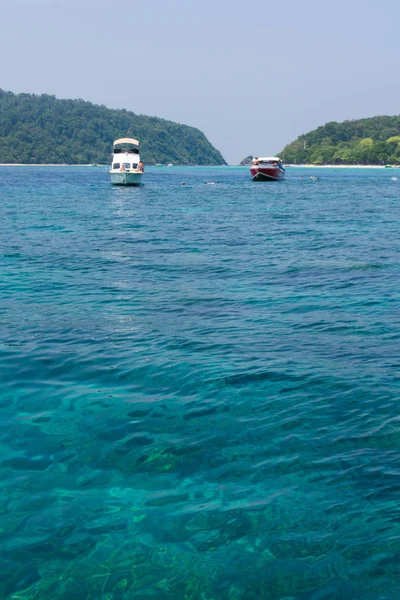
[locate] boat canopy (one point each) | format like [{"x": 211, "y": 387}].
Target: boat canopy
[
  {"x": 267, "y": 159},
  {"x": 126, "y": 142}
]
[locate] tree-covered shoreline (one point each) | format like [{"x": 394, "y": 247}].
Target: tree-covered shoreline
[
  {"x": 371, "y": 141},
  {"x": 43, "y": 129}
]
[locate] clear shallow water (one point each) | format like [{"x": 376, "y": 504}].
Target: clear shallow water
[{"x": 200, "y": 386}]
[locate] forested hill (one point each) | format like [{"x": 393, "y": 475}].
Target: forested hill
[
  {"x": 43, "y": 129},
  {"x": 373, "y": 141}
]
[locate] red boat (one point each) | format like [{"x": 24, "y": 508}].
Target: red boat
[{"x": 267, "y": 169}]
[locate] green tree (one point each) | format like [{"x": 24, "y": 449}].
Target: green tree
[
  {"x": 344, "y": 156},
  {"x": 366, "y": 143},
  {"x": 395, "y": 139}
]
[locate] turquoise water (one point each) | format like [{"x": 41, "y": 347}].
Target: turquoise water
[{"x": 199, "y": 386}]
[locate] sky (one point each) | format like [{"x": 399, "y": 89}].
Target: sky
[{"x": 251, "y": 75}]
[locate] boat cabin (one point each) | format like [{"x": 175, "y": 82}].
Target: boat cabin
[
  {"x": 126, "y": 145},
  {"x": 269, "y": 160},
  {"x": 125, "y": 155}
]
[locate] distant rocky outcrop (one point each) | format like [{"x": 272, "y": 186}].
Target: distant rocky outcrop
[{"x": 246, "y": 161}]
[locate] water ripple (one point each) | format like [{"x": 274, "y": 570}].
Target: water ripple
[{"x": 200, "y": 389}]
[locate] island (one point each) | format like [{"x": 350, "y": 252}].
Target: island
[
  {"x": 371, "y": 141},
  {"x": 246, "y": 161},
  {"x": 42, "y": 129}
]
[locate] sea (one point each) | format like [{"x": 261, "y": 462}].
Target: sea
[{"x": 200, "y": 385}]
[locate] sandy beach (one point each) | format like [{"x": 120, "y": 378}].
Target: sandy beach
[
  {"x": 342, "y": 166},
  {"x": 46, "y": 165}
]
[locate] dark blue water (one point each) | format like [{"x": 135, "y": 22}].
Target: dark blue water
[{"x": 199, "y": 386}]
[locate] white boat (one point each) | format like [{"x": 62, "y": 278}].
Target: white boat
[{"x": 126, "y": 167}]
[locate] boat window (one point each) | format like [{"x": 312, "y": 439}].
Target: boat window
[
  {"x": 126, "y": 150},
  {"x": 134, "y": 165},
  {"x": 116, "y": 166},
  {"x": 127, "y": 165}
]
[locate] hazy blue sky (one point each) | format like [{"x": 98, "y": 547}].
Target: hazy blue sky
[{"x": 251, "y": 75}]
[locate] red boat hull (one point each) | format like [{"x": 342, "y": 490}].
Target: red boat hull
[{"x": 267, "y": 173}]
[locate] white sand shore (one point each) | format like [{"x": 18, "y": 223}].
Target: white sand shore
[
  {"x": 341, "y": 166},
  {"x": 46, "y": 165}
]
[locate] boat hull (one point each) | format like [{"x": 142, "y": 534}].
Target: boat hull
[
  {"x": 267, "y": 173},
  {"x": 126, "y": 178}
]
